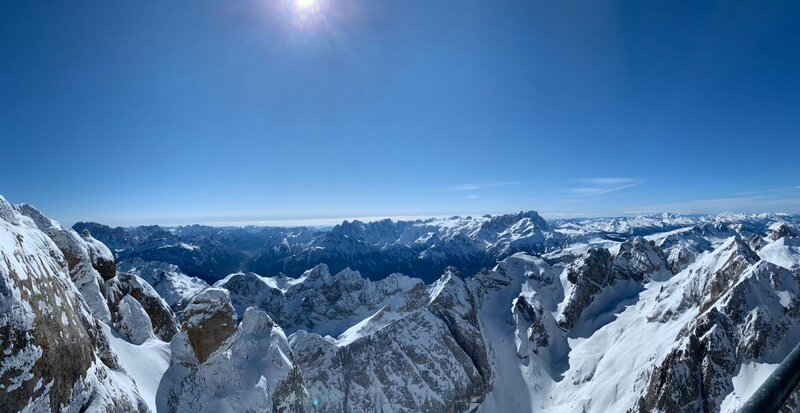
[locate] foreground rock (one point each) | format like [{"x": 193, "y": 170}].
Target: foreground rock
[
  {"x": 219, "y": 366},
  {"x": 54, "y": 354}
]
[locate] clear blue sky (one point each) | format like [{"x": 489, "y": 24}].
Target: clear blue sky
[{"x": 186, "y": 111}]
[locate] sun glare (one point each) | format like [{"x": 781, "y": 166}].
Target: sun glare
[
  {"x": 307, "y": 15},
  {"x": 303, "y": 5}
]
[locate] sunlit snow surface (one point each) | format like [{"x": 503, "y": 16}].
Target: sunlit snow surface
[{"x": 146, "y": 363}]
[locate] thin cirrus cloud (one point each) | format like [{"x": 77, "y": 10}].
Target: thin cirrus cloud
[
  {"x": 601, "y": 186},
  {"x": 731, "y": 204},
  {"x": 480, "y": 186},
  {"x": 770, "y": 190}
]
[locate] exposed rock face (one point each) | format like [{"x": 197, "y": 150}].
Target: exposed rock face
[
  {"x": 255, "y": 372},
  {"x": 208, "y": 321},
  {"x": 318, "y": 301},
  {"x": 706, "y": 283},
  {"x": 781, "y": 230},
  {"x": 81, "y": 257},
  {"x": 597, "y": 273},
  {"x": 175, "y": 287},
  {"x": 161, "y": 318},
  {"x": 589, "y": 275},
  {"x": 427, "y": 355},
  {"x": 100, "y": 256},
  {"x": 755, "y": 242},
  {"x": 750, "y": 322},
  {"x": 54, "y": 353}
]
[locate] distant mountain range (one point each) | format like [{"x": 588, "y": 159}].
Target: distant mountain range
[
  {"x": 419, "y": 248},
  {"x": 634, "y": 314}
]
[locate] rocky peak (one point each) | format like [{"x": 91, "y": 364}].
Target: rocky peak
[
  {"x": 755, "y": 242},
  {"x": 780, "y": 230},
  {"x": 208, "y": 321},
  {"x": 100, "y": 256},
  {"x": 502, "y": 222},
  {"x": 597, "y": 273},
  {"x": 706, "y": 280},
  {"x": 254, "y": 369},
  {"x": 638, "y": 259},
  {"x": 589, "y": 275},
  {"x": 751, "y": 321}
]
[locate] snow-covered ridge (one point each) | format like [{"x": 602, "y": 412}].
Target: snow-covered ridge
[
  {"x": 419, "y": 248},
  {"x": 658, "y": 313}
]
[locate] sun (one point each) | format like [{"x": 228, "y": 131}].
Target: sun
[{"x": 304, "y": 5}]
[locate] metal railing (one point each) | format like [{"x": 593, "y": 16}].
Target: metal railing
[{"x": 772, "y": 394}]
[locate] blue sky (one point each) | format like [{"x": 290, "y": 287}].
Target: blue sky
[{"x": 255, "y": 110}]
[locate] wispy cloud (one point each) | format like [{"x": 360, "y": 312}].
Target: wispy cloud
[
  {"x": 472, "y": 196},
  {"x": 600, "y": 186},
  {"x": 770, "y": 190},
  {"x": 755, "y": 203},
  {"x": 480, "y": 186}
]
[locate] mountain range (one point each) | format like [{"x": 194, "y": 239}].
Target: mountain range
[{"x": 464, "y": 314}]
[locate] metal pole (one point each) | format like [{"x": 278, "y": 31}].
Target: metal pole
[{"x": 773, "y": 393}]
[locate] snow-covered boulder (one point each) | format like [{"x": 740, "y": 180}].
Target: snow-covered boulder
[
  {"x": 100, "y": 255},
  {"x": 133, "y": 321}
]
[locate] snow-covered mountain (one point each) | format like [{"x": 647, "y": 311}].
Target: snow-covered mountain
[
  {"x": 376, "y": 249},
  {"x": 508, "y": 313}
]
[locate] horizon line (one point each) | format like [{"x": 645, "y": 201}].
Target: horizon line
[{"x": 323, "y": 222}]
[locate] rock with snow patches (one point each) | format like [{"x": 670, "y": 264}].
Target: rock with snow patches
[
  {"x": 318, "y": 301},
  {"x": 81, "y": 256},
  {"x": 756, "y": 320},
  {"x": 175, "y": 287},
  {"x": 707, "y": 279},
  {"x": 124, "y": 285},
  {"x": 427, "y": 355},
  {"x": 780, "y": 230},
  {"x": 54, "y": 354},
  {"x": 600, "y": 282},
  {"x": 208, "y": 321},
  {"x": 253, "y": 368},
  {"x": 100, "y": 255},
  {"x": 681, "y": 246}
]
